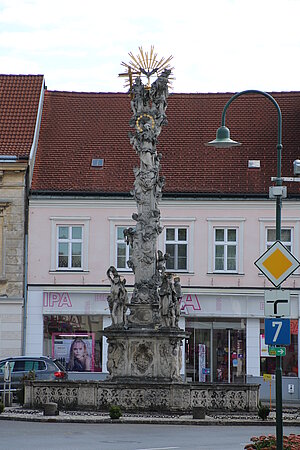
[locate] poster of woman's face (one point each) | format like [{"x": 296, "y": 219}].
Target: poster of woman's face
[{"x": 76, "y": 352}]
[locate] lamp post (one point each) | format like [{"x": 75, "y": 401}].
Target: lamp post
[{"x": 223, "y": 140}]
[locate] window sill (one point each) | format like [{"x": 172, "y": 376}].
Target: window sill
[
  {"x": 68, "y": 271},
  {"x": 237, "y": 274}
]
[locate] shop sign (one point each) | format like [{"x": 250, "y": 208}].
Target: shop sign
[
  {"x": 191, "y": 302},
  {"x": 74, "y": 303},
  {"x": 56, "y": 299}
]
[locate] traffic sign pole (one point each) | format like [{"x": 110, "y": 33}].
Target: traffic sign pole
[{"x": 278, "y": 380}]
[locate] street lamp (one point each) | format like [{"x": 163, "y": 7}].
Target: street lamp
[{"x": 223, "y": 140}]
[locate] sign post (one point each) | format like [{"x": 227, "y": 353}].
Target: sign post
[{"x": 277, "y": 264}]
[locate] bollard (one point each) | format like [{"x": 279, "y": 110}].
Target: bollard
[
  {"x": 198, "y": 412},
  {"x": 50, "y": 409}
]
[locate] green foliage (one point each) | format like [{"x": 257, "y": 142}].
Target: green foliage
[
  {"x": 1, "y": 407},
  {"x": 20, "y": 392},
  {"x": 291, "y": 442},
  {"x": 115, "y": 412},
  {"x": 263, "y": 411}
]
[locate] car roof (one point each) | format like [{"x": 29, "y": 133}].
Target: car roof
[{"x": 43, "y": 358}]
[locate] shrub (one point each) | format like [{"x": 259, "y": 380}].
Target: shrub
[
  {"x": 263, "y": 411},
  {"x": 291, "y": 442},
  {"x": 1, "y": 407},
  {"x": 115, "y": 412}
]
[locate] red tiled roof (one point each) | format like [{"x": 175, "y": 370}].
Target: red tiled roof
[
  {"x": 19, "y": 101},
  {"x": 77, "y": 127}
]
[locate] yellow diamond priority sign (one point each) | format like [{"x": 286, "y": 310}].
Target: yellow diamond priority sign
[{"x": 277, "y": 263}]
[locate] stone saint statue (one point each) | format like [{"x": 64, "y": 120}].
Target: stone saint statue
[
  {"x": 118, "y": 298},
  {"x": 165, "y": 294}
]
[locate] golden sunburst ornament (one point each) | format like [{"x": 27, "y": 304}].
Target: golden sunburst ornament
[{"x": 145, "y": 64}]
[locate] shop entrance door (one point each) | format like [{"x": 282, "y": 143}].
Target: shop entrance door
[
  {"x": 216, "y": 352},
  {"x": 229, "y": 355}
]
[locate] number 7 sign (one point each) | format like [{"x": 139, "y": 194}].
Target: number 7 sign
[{"x": 277, "y": 331}]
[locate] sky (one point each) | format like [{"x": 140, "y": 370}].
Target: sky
[{"x": 217, "y": 45}]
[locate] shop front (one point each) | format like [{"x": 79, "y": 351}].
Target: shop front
[
  {"x": 72, "y": 325},
  {"x": 226, "y": 339},
  {"x": 216, "y": 350}
]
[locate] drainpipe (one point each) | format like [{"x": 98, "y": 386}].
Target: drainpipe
[{"x": 25, "y": 295}]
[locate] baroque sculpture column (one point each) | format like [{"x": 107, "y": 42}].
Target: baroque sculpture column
[{"x": 144, "y": 340}]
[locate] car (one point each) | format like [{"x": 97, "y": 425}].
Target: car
[{"x": 44, "y": 368}]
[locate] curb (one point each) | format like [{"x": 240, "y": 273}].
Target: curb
[{"x": 143, "y": 421}]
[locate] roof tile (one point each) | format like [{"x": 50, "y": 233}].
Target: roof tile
[
  {"x": 19, "y": 102},
  {"x": 77, "y": 127}
]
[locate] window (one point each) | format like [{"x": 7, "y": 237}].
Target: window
[
  {"x": 123, "y": 251},
  {"x": 60, "y": 331},
  {"x": 69, "y": 243},
  {"x": 69, "y": 247},
  {"x": 286, "y": 237},
  {"x": 176, "y": 241},
  {"x": 225, "y": 249}
]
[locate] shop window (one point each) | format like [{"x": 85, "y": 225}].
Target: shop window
[
  {"x": 123, "y": 250},
  {"x": 208, "y": 347},
  {"x": 225, "y": 249},
  {"x": 176, "y": 246},
  {"x": 289, "y": 362},
  {"x": 286, "y": 237},
  {"x": 76, "y": 341}
]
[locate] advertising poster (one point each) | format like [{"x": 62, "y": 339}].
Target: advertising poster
[
  {"x": 202, "y": 364},
  {"x": 74, "y": 351},
  {"x": 264, "y": 349}
]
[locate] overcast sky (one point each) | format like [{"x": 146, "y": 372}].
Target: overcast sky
[{"x": 217, "y": 45}]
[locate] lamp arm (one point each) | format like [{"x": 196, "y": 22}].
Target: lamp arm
[
  {"x": 265, "y": 94},
  {"x": 279, "y": 148}
]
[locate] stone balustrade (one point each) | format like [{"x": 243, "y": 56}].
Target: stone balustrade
[{"x": 181, "y": 397}]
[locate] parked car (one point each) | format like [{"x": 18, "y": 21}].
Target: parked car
[{"x": 44, "y": 368}]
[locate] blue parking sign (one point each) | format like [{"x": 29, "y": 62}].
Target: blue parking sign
[{"x": 277, "y": 331}]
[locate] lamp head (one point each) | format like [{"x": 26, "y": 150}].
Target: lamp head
[{"x": 223, "y": 139}]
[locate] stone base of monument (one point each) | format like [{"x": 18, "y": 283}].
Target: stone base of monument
[
  {"x": 142, "y": 397},
  {"x": 144, "y": 355}
]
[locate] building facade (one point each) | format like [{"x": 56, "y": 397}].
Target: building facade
[
  {"x": 217, "y": 221},
  {"x": 20, "y": 115}
]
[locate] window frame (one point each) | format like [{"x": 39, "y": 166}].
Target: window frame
[
  {"x": 269, "y": 243},
  {"x": 225, "y": 244},
  {"x": 114, "y": 223},
  {"x": 176, "y": 242},
  {"x": 286, "y": 222},
  {"x": 230, "y": 222},
  {"x": 56, "y": 222},
  {"x": 127, "y": 250},
  {"x": 69, "y": 241}
]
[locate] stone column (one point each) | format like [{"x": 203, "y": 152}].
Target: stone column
[{"x": 146, "y": 344}]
